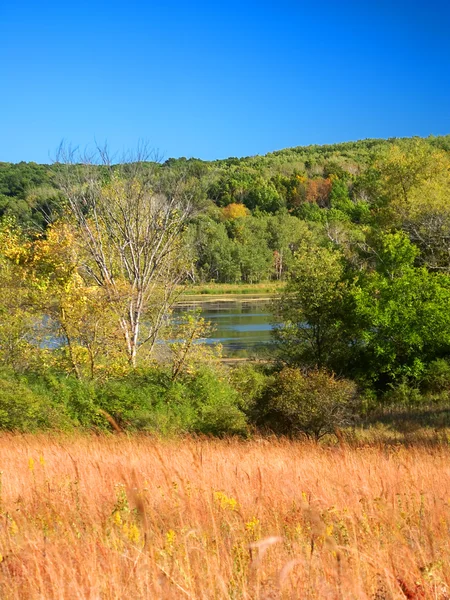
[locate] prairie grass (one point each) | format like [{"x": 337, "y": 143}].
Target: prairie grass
[{"x": 115, "y": 517}]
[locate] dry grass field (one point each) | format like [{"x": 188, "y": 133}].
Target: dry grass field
[{"x": 116, "y": 517}]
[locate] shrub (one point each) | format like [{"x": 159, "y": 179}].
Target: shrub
[
  {"x": 151, "y": 401},
  {"x": 250, "y": 382},
  {"x": 142, "y": 401},
  {"x": 216, "y": 404},
  {"x": 77, "y": 399},
  {"x": 437, "y": 376},
  {"x": 25, "y": 409},
  {"x": 132, "y": 400},
  {"x": 405, "y": 393},
  {"x": 314, "y": 404}
]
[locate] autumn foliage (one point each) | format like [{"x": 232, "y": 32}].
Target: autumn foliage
[
  {"x": 318, "y": 191},
  {"x": 235, "y": 210}
]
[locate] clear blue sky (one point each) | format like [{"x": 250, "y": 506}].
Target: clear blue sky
[{"x": 213, "y": 79}]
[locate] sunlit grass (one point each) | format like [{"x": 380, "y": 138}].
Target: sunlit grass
[
  {"x": 219, "y": 289},
  {"x": 117, "y": 517}
]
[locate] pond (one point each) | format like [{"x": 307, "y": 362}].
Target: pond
[{"x": 242, "y": 325}]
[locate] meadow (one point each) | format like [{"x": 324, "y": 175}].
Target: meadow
[{"x": 111, "y": 517}]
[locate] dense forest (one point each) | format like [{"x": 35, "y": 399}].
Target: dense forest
[
  {"x": 94, "y": 255},
  {"x": 253, "y": 211}
]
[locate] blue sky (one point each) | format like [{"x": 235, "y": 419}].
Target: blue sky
[{"x": 216, "y": 79}]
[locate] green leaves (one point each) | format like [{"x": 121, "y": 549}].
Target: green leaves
[
  {"x": 378, "y": 325},
  {"x": 311, "y": 308},
  {"x": 404, "y": 320}
]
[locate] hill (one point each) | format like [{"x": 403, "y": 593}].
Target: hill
[{"x": 264, "y": 183}]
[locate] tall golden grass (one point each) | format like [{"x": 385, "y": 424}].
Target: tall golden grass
[{"x": 117, "y": 517}]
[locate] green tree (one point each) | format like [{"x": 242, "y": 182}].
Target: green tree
[
  {"x": 214, "y": 254},
  {"x": 255, "y": 257},
  {"x": 311, "y": 309},
  {"x": 339, "y": 196},
  {"x": 285, "y": 234},
  {"x": 404, "y": 323}
]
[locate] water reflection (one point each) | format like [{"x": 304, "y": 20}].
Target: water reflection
[{"x": 242, "y": 326}]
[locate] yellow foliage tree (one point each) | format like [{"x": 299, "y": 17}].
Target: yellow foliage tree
[
  {"x": 16, "y": 314},
  {"x": 190, "y": 348},
  {"x": 416, "y": 182},
  {"x": 235, "y": 210},
  {"x": 79, "y": 316}
]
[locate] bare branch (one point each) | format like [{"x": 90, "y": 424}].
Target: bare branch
[{"x": 131, "y": 218}]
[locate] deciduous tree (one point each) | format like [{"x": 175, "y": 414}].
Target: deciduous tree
[
  {"x": 311, "y": 309},
  {"x": 131, "y": 219}
]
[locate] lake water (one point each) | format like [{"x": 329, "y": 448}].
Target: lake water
[{"x": 243, "y": 326}]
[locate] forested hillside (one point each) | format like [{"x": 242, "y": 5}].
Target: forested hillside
[{"x": 252, "y": 212}]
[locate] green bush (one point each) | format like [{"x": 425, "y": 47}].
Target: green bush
[
  {"x": 25, "y": 409},
  {"x": 250, "y": 381},
  {"x": 403, "y": 394},
  {"x": 314, "y": 404},
  {"x": 131, "y": 400},
  {"x": 142, "y": 401},
  {"x": 437, "y": 376},
  {"x": 75, "y": 398},
  {"x": 216, "y": 404},
  {"x": 151, "y": 401}
]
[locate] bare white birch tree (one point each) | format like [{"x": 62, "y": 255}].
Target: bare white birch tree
[{"x": 131, "y": 217}]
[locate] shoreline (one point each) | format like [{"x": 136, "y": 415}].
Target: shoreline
[
  {"x": 210, "y": 298},
  {"x": 237, "y": 289}
]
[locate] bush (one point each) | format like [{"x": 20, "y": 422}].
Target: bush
[
  {"x": 75, "y": 398},
  {"x": 25, "y": 409},
  {"x": 314, "y": 404},
  {"x": 216, "y": 404},
  {"x": 133, "y": 400},
  {"x": 405, "y": 393},
  {"x": 152, "y": 401},
  {"x": 437, "y": 376},
  {"x": 142, "y": 401},
  {"x": 250, "y": 382}
]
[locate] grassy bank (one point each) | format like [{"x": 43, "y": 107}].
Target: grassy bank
[
  {"x": 114, "y": 517},
  {"x": 219, "y": 289}
]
